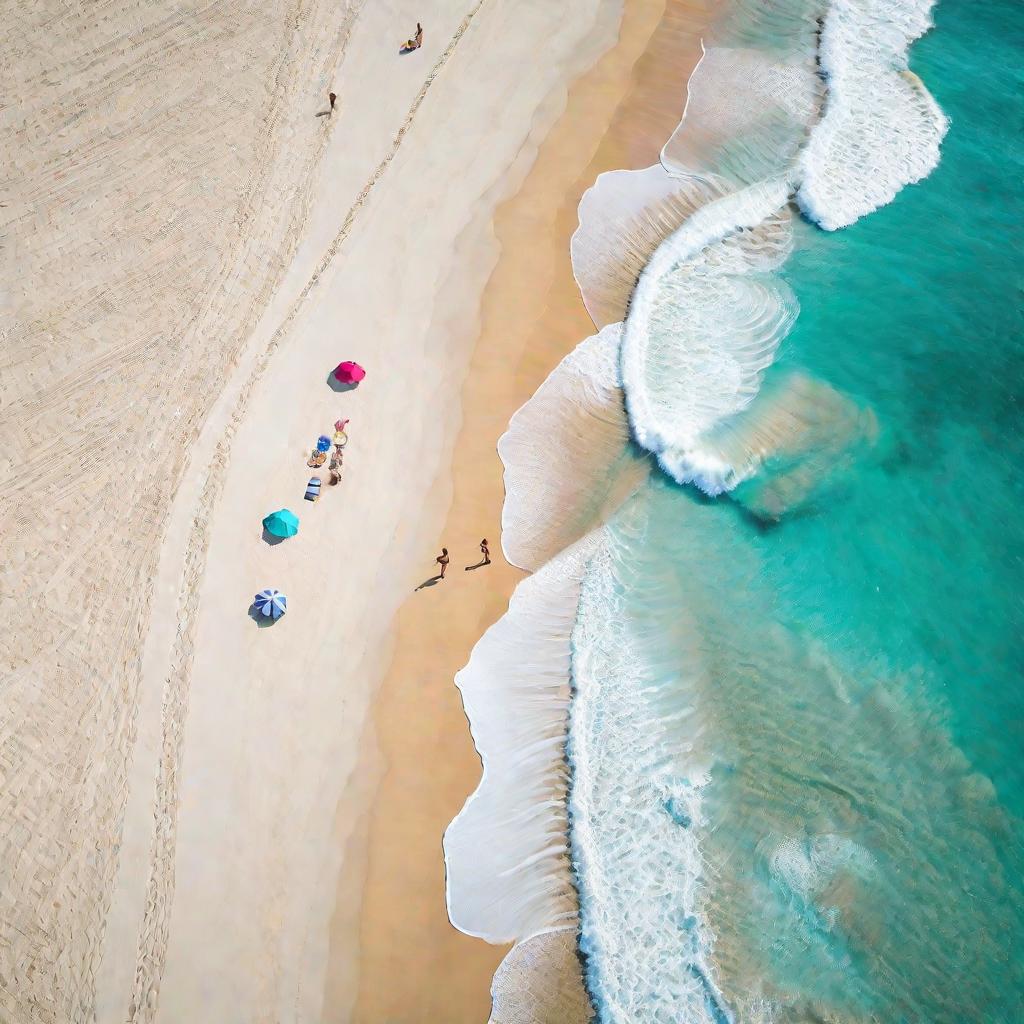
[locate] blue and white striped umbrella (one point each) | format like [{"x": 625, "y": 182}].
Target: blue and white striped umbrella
[{"x": 271, "y": 603}]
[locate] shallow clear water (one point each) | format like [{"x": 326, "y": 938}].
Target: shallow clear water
[{"x": 845, "y": 629}]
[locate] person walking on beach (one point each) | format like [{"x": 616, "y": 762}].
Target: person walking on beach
[
  {"x": 485, "y": 551},
  {"x": 442, "y": 560},
  {"x": 333, "y": 98}
]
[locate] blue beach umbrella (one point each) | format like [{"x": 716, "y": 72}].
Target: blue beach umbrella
[
  {"x": 271, "y": 603},
  {"x": 282, "y": 523},
  {"x": 323, "y": 443}
]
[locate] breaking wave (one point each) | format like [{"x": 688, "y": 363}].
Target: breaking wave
[
  {"x": 635, "y": 814},
  {"x": 839, "y": 128},
  {"x": 796, "y": 106}
]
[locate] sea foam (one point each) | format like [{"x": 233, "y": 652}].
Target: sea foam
[
  {"x": 841, "y": 136},
  {"x": 569, "y": 461},
  {"x": 687, "y": 256},
  {"x": 881, "y": 129},
  {"x": 704, "y": 322},
  {"x": 507, "y": 850},
  {"x": 635, "y": 810}
]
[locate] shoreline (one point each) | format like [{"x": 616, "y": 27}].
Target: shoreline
[
  {"x": 225, "y": 769},
  {"x": 628, "y": 665},
  {"x": 618, "y": 115},
  {"x": 260, "y": 730},
  {"x": 208, "y": 819}
]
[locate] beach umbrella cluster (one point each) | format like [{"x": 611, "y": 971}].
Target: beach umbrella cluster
[{"x": 271, "y": 603}]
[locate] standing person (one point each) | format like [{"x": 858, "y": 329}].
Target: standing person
[
  {"x": 442, "y": 560},
  {"x": 485, "y": 553},
  {"x": 333, "y": 97}
]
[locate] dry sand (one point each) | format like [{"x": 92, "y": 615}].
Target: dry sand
[
  {"x": 413, "y": 966},
  {"x": 157, "y": 160},
  {"x": 187, "y": 249}
]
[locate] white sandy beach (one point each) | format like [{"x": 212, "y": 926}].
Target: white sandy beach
[
  {"x": 191, "y": 251},
  {"x": 267, "y": 759}
]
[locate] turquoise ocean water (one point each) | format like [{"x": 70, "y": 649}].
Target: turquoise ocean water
[{"x": 850, "y": 674}]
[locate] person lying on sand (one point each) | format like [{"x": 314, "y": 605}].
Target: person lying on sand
[
  {"x": 337, "y": 461},
  {"x": 417, "y": 40}
]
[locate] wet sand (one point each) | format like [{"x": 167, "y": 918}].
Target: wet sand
[{"x": 413, "y": 966}]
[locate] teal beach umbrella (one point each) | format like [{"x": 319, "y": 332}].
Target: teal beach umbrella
[{"x": 282, "y": 523}]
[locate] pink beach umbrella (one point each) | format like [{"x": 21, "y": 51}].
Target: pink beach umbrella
[{"x": 349, "y": 373}]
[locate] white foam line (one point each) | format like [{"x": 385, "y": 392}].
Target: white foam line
[
  {"x": 506, "y": 852},
  {"x": 746, "y": 208}
]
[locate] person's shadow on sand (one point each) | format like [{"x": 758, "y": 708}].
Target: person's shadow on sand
[
  {"x": 340, "y": 386},
  {"x": 432, "y": 582}
]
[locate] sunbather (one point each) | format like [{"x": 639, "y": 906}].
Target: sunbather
[{"x": 417, "y": 40}]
